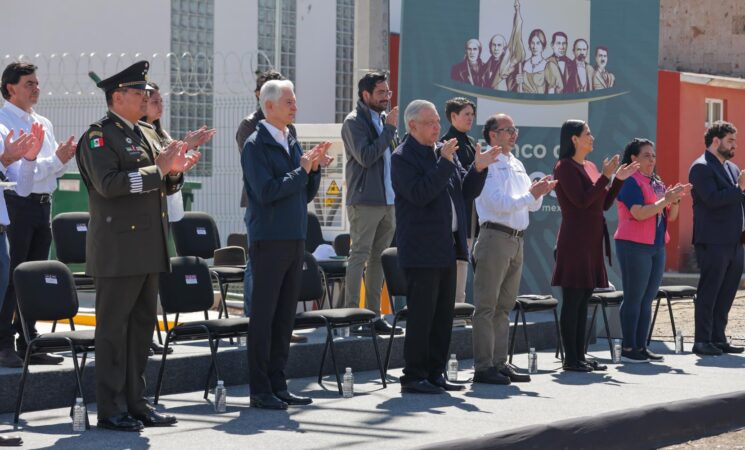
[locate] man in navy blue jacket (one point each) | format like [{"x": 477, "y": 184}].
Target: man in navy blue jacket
[
  {"x": 430, "y": 186},
  {"x": 718, "y": 224},
  {"x": 280, "y": 181}
]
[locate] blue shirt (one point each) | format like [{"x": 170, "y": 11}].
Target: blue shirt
[
  {"x": 631, "y": 194},
  {"x": 389, "y": 194}
]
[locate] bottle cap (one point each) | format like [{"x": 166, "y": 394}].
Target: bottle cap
[
  {"x": 349, "y": 370},
  {"x": 532, "y": 349},
  {"x": 452, "y": 356},
  {"x": 78, "y": 399},
  {"x": 220, "y": 383}
]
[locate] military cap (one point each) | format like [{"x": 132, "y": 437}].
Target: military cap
[{"x": 134, "y": 76}]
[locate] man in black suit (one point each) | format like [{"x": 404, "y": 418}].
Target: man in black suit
[
  {"x": 718, "y": 224},
  {"x": 431, "y": 188}
]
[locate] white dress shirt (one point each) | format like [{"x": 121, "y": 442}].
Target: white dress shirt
[
  {"x": 278, "y": 135},
  {"x": 48, "y": 166},
  {"x": 506, "y": 197},
  {"x": 25, "y": 178}
]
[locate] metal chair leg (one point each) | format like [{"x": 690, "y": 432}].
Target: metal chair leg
[
  {"x": 654, "y": 319},
  {"x": 24, "y": 375},
  {"x": 333, "y": 362},
  {"x": 329, "y": 338},
  {"x": 607, "y": 329},
  {"x": 513, "y": 332},
  {"x": 670, "y": 310},
  {"x": 592, "y": 326},
  {"x": 559, "y": 342},
  {"x": 211, "y": 370},
  {"x": 390, "y": 341},
  {"x": 54, "y": 326},
  {"x": 374, "y": 337},
  {"x": 525, "y": 333},
  {"x": 159, "y": 383},
  {"x": 79, "y": 382}
]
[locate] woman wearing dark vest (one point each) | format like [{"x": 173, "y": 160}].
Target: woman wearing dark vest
[
  {"x": 583, "y": 193},
  {"x": 645, "y": 206}
]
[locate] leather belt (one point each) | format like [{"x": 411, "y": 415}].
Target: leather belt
[
  {"x": 504, "y": 229},
  {"x": 36, "y": 198}
]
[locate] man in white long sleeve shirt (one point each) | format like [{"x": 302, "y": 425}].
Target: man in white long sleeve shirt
[
  {"x": 27, "y": 146},
  {"x": 503, "y": 206},
  {"x": 30, "y": 234}
]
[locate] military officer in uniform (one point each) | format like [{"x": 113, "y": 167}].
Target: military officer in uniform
[{"x": 128, "y": 175}]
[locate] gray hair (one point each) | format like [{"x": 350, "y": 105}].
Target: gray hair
[
  {"x": 414, "y": 109},
  {"x": 271, "y": 91}
]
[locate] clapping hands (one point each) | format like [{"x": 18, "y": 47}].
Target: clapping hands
[
  {"x": 196, "y": 138},
  {"x": 316, "y": 157},
  {"x": 622, "y": 171},
  {"x": 543, "y": 186},
  {"x": 28, "y": 145}
]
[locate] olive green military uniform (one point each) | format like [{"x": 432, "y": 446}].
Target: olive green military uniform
[{"x": 125, "y": 251}]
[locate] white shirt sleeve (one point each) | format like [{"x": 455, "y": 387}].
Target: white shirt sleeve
[{"x": 25, "y": 177}]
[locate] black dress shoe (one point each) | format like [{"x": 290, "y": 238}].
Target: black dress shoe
[
  {"x": 292, "y": 399},
  {"x": 490, "y": 376},
  {"x": 121, "y": 422},
  {"x": 576, "y": 367},
  {"x": 267, "y": 401},
  {"x": 383, "y": 327},
  {"x": 443, "y": 383},
  {"x": 509, "y": 371},
  {"x": 155, "y": 419},
  {"x": 157, "y": 349},
  {"x": 421, "y": 387},
  {"x": 726, "y": 347},
  {"x": 594, "y": 365},
  {"x": 706, "y": 349},
  {"x": 44, "y": 359},
  {"x": 9, "y": 358},
  {"x": 10, "y": 441}
]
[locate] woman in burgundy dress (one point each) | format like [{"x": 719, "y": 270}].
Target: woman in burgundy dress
[{"x": 583, "y": 193}]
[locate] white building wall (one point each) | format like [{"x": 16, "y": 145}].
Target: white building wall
[{"x": 316, "y": 61}]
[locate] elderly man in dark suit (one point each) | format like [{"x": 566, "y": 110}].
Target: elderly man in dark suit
[
  {"x": 128, "y": 175},
  {"x": 718, "y": 208},
  {"x": 280, "y": 181},
  {"x": 431, "y": 187}
]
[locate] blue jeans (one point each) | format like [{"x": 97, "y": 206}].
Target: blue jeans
[{"x": 642, "y": 266}]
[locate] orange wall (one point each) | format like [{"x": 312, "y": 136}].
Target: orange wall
[{"x": 680, "y": 140}]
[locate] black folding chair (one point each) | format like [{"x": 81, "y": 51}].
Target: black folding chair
[
  {"x": 312, "y": 289},
  {"x": 395, "y": 280},
  {"x": 187, "y": 289},
  {"x": 197, "y": 235},
  {"x": 671, "y": 293},
  {"x": 46, "y": 291},
  {"x": 604, "y": 299},
  {"x": 531, "y": 304}
]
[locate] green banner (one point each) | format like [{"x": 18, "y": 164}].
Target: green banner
[{"x": 542, "y": 62}]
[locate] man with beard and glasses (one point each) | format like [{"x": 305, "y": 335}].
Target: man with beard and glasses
[
  {"x": 718, "y": 225},
  {"x": 580, "y": 74},
  {"x": 369, "y": 136}
]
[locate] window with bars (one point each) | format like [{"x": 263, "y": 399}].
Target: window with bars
[
  {"x": 345, "y": 92},
  {"x": 267, "y": 42},
  {"x": 191, "y": 98}
]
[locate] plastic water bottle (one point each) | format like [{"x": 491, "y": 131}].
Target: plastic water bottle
[
  {"x": 78, "y": 416},
  {"x": 679, "y": 341},
  {"x": 342, "y": 332},
  {"x": 617, "y": 351},
  {"x": 452, "y": 371},
  {"x": 347, "y": 385},
  {"x": 221, "y": 397},
  {"x": 532, "y": 361},
  {"x": 242, "y": 341}
]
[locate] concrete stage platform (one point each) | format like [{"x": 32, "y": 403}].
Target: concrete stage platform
[
  {"x": 383, "y": 418},
  {"x": 186, "y": 369}
]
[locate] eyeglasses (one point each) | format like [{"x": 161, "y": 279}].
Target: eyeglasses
[
  {"x": 510, "y": 130},
  {"x": 386, "y": 94}
]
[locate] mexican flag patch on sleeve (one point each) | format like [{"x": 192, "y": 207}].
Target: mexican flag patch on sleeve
[{"x": 96, "y": 142}]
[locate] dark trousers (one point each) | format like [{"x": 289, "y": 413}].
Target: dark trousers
[
  {"x": 277, "y": 270},
  {"x": 721, "y": 268},
  {"x": 125, "y": 319},
  {"x": 574, "y": 322},
  {"x": 430, "y": 299},
  {"x": 29, "y": 237}
]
